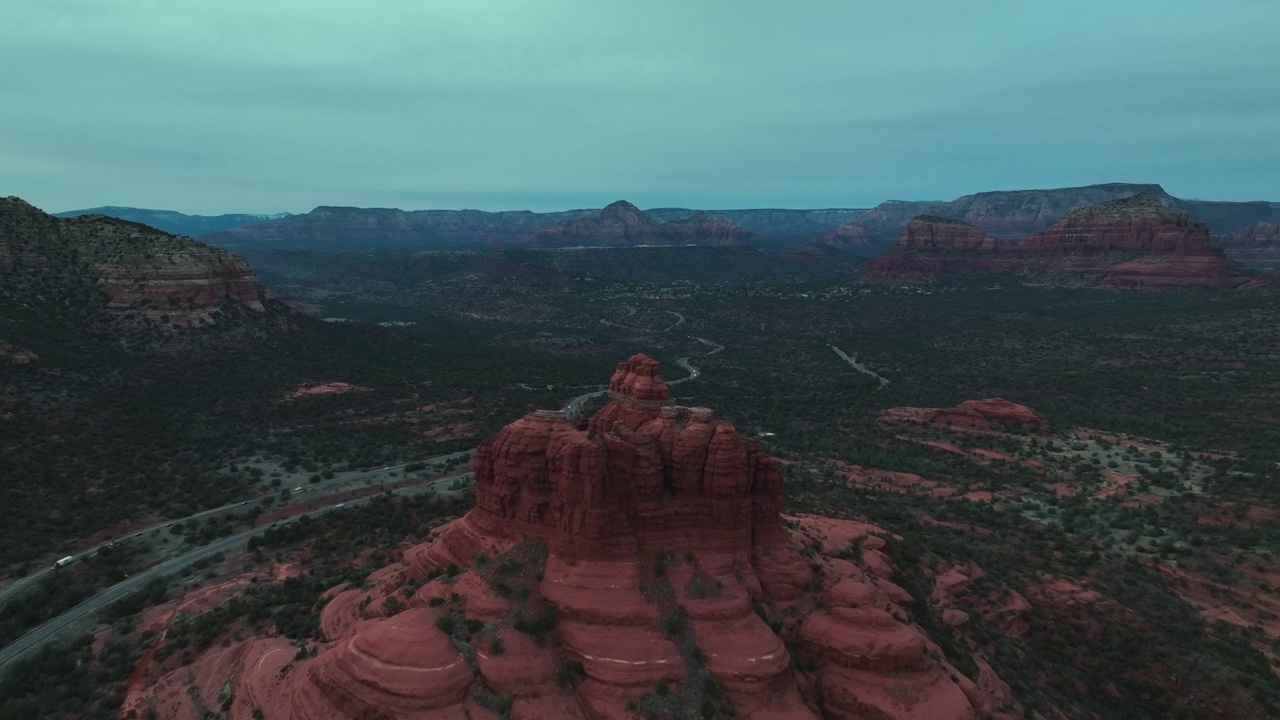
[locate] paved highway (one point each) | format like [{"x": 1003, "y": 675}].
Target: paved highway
[
  {"x": 31, "y": 580},
  {"x": 42, "y": 634}
]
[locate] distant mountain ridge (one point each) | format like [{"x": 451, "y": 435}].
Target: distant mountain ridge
[
  {"x": 1002, "y": 214},
  {"x": 1012, "y": 214},
  {"x": 173, "y": 222},
  {"x": 1134, "y": 242},
  {"x": 351, "y": 228},
  {"x": 622, "y": 224}
]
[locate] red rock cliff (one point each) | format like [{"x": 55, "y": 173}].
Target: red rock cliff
[
  {"x": 1134, "y": 242},
  {"x": 1258, "y": 243},
  {"x": 140, "y": 271},
  {"x": 653, "y": 539}
]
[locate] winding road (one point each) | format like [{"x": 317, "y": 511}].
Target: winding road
[
  {"x": 50, "y": 629},
  {"x": 320, "y": 489},
  {"x": 42, "y": 634},
  {"x": 574, "y": 409}
]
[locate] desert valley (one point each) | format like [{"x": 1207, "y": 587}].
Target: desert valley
[
  {"x": 965, "y": 478},
  {"x": 639, "y": 361}
]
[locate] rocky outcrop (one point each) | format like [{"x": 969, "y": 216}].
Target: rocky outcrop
[
  {"x": 850, "y": 237},
  {"x": 642, "y": 549},
  {"x": 1135, "y": 242},
  {"x": 133, "y": 271},
  {"x": 933, "y": 247},
  {"x": 1012, "y": 214},
  {"x": 350, "y": 228},
  {"x": 1260, "y": 243},
  {"x": 971, "y": 415},
  {"x": 776, "y": 229},
  {"x": 623, "y": 224}
]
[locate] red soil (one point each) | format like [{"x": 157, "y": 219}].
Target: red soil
[{"x": 1234, "y": 514}]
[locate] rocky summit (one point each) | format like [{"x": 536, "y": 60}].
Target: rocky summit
[
  {"x": 1012, "y": 214},
  {"x": 1130, "y": 243},
  {"x": 635, "y": 563},
  {"x": 117, "y": 270},
  {"x": 623, "y": 224}
]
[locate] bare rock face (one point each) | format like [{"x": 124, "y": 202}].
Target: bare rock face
[
  {"x": 704, "y": 229},
  {"x": 381, "y": 666},
  {"x": 850, "y": 237},
  {"x": 623, "y": 224},
  {"x": 644, "y": 550},
  {"x": 934, "y": 246},
  {"x": 1012, "y": 214},
  {"x": 139, "y": 271},
  {"x": 1131, "y": 243},
  {"x": 1259, "y": 243},
  {"x": 1006, "y": 215},
  {"x": 970, "y": 415}
]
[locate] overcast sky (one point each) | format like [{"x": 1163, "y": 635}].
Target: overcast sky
[{"x": 211, "y": 106}]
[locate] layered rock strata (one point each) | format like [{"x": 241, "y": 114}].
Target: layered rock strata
[
  {"x": 640, "y": 558},
  {"x": 1260, "y": 243},
  {"x": 980, "y": 415},
  {"x": 1011, "y": 214},
  {"x": 1130, "y": 243},
  {"x": 138, "y": 271}
]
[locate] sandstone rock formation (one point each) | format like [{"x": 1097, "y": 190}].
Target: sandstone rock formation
[
  {"x": 136, "y": 272},
  {"x": 350, "y": 228},
  {"x": 933, "y": 246},
  {"x": 970, "y": 415},
  {"x": 1259, "y": 243},
  {"x": 623, "y": 224},
  {"x": 1012, "y": 214},
  {"x": 639, "y": 560},
  {"x": 1134, "y": 242}
]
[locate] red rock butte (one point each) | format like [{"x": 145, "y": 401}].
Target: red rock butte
[
  {"x": 650, "y": 542},
  {"x": 1135, "y": 242},
  {"x": 971, "y": 415}
]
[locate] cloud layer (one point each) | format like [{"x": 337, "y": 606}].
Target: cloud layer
[{"x": 246, "y": 106}]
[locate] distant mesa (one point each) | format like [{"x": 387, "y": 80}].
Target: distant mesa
[
  {"x": 636, "y": 560},
  {"x": 1132, "y": 243},
  {"x": 175, "y": 222},
  {"x": 348, "y": 228},
  {"x": 1012, "y": 214},
  {"x": 623, "y": 224},
  {"x": 1260, "y": 243},
  {"x": 119, "y": 270},
  {"x": 849, "y": 237}
]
